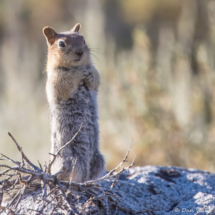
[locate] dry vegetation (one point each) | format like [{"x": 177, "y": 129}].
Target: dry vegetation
[
  {"x": 26, "y": 179},
  {"x": 156, "y": 59}
]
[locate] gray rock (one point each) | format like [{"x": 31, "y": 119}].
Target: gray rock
[{"x": 162, "y": 190}]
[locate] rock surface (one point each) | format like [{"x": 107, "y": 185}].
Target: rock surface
[
  {"x": 168, "y": 190},
  {"x": 162, "y": 190}
]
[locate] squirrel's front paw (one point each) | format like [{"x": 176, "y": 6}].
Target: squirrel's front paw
[{"x": 89, "y": 79}]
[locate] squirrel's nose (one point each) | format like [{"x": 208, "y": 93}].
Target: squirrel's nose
[{"x": 79, "y": 51}]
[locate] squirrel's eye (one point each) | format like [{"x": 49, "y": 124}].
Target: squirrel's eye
[{"x": 61, "y": 44}]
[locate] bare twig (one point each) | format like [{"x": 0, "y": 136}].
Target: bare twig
[
  {"x": 123, "y": 161},
  {"x": 53, "y": 210},
  {"x": 23, "y": 155},
  {"x": 1, "y": 194},
  {"x": 44, "y": 188},
  {"x": 20, "y": 196},
  {"x": 14, "y": 198},
  {"x": 7, "y": 158},
  {"x": 106, "y": 202},
  {"x": 65, "y": 199},
  {"x": 23, "y": 170},
  {"x": 118, "y": 173},
  {"x": 201, "y": 210},
  {"x": 6, "y": 208},
  {"x": 73, "y": 168},
  {"x": 115, "y": 181},
  {"x": 40, "y": 165},
  {"x": 49, "y": 201},
  {"x": 109, "y": 175}
]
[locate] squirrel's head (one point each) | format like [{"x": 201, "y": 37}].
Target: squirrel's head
[{"x": 66, "y": 49}]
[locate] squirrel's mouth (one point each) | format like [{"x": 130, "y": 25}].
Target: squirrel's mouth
[{"x": 77, "y": 58}]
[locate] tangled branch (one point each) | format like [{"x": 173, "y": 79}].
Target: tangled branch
[{"x": 25, "y": 177}]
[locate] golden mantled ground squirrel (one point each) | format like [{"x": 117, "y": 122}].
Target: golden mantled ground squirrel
[{"x": 71, "y": 87}]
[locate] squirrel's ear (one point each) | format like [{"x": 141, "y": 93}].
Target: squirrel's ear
[
  {"x": 50, "y": 34},
  {"x": 76, "y": 28}
]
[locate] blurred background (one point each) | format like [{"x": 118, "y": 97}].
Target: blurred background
[{"x": 157, "y": 64}]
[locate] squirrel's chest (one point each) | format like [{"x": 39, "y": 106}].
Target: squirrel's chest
[{"x": 60, "y": 87}]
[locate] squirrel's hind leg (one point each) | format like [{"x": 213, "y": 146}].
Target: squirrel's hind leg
[
  {"x": 97, "y": 166},
  {"x": 80, "y": 168}
]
